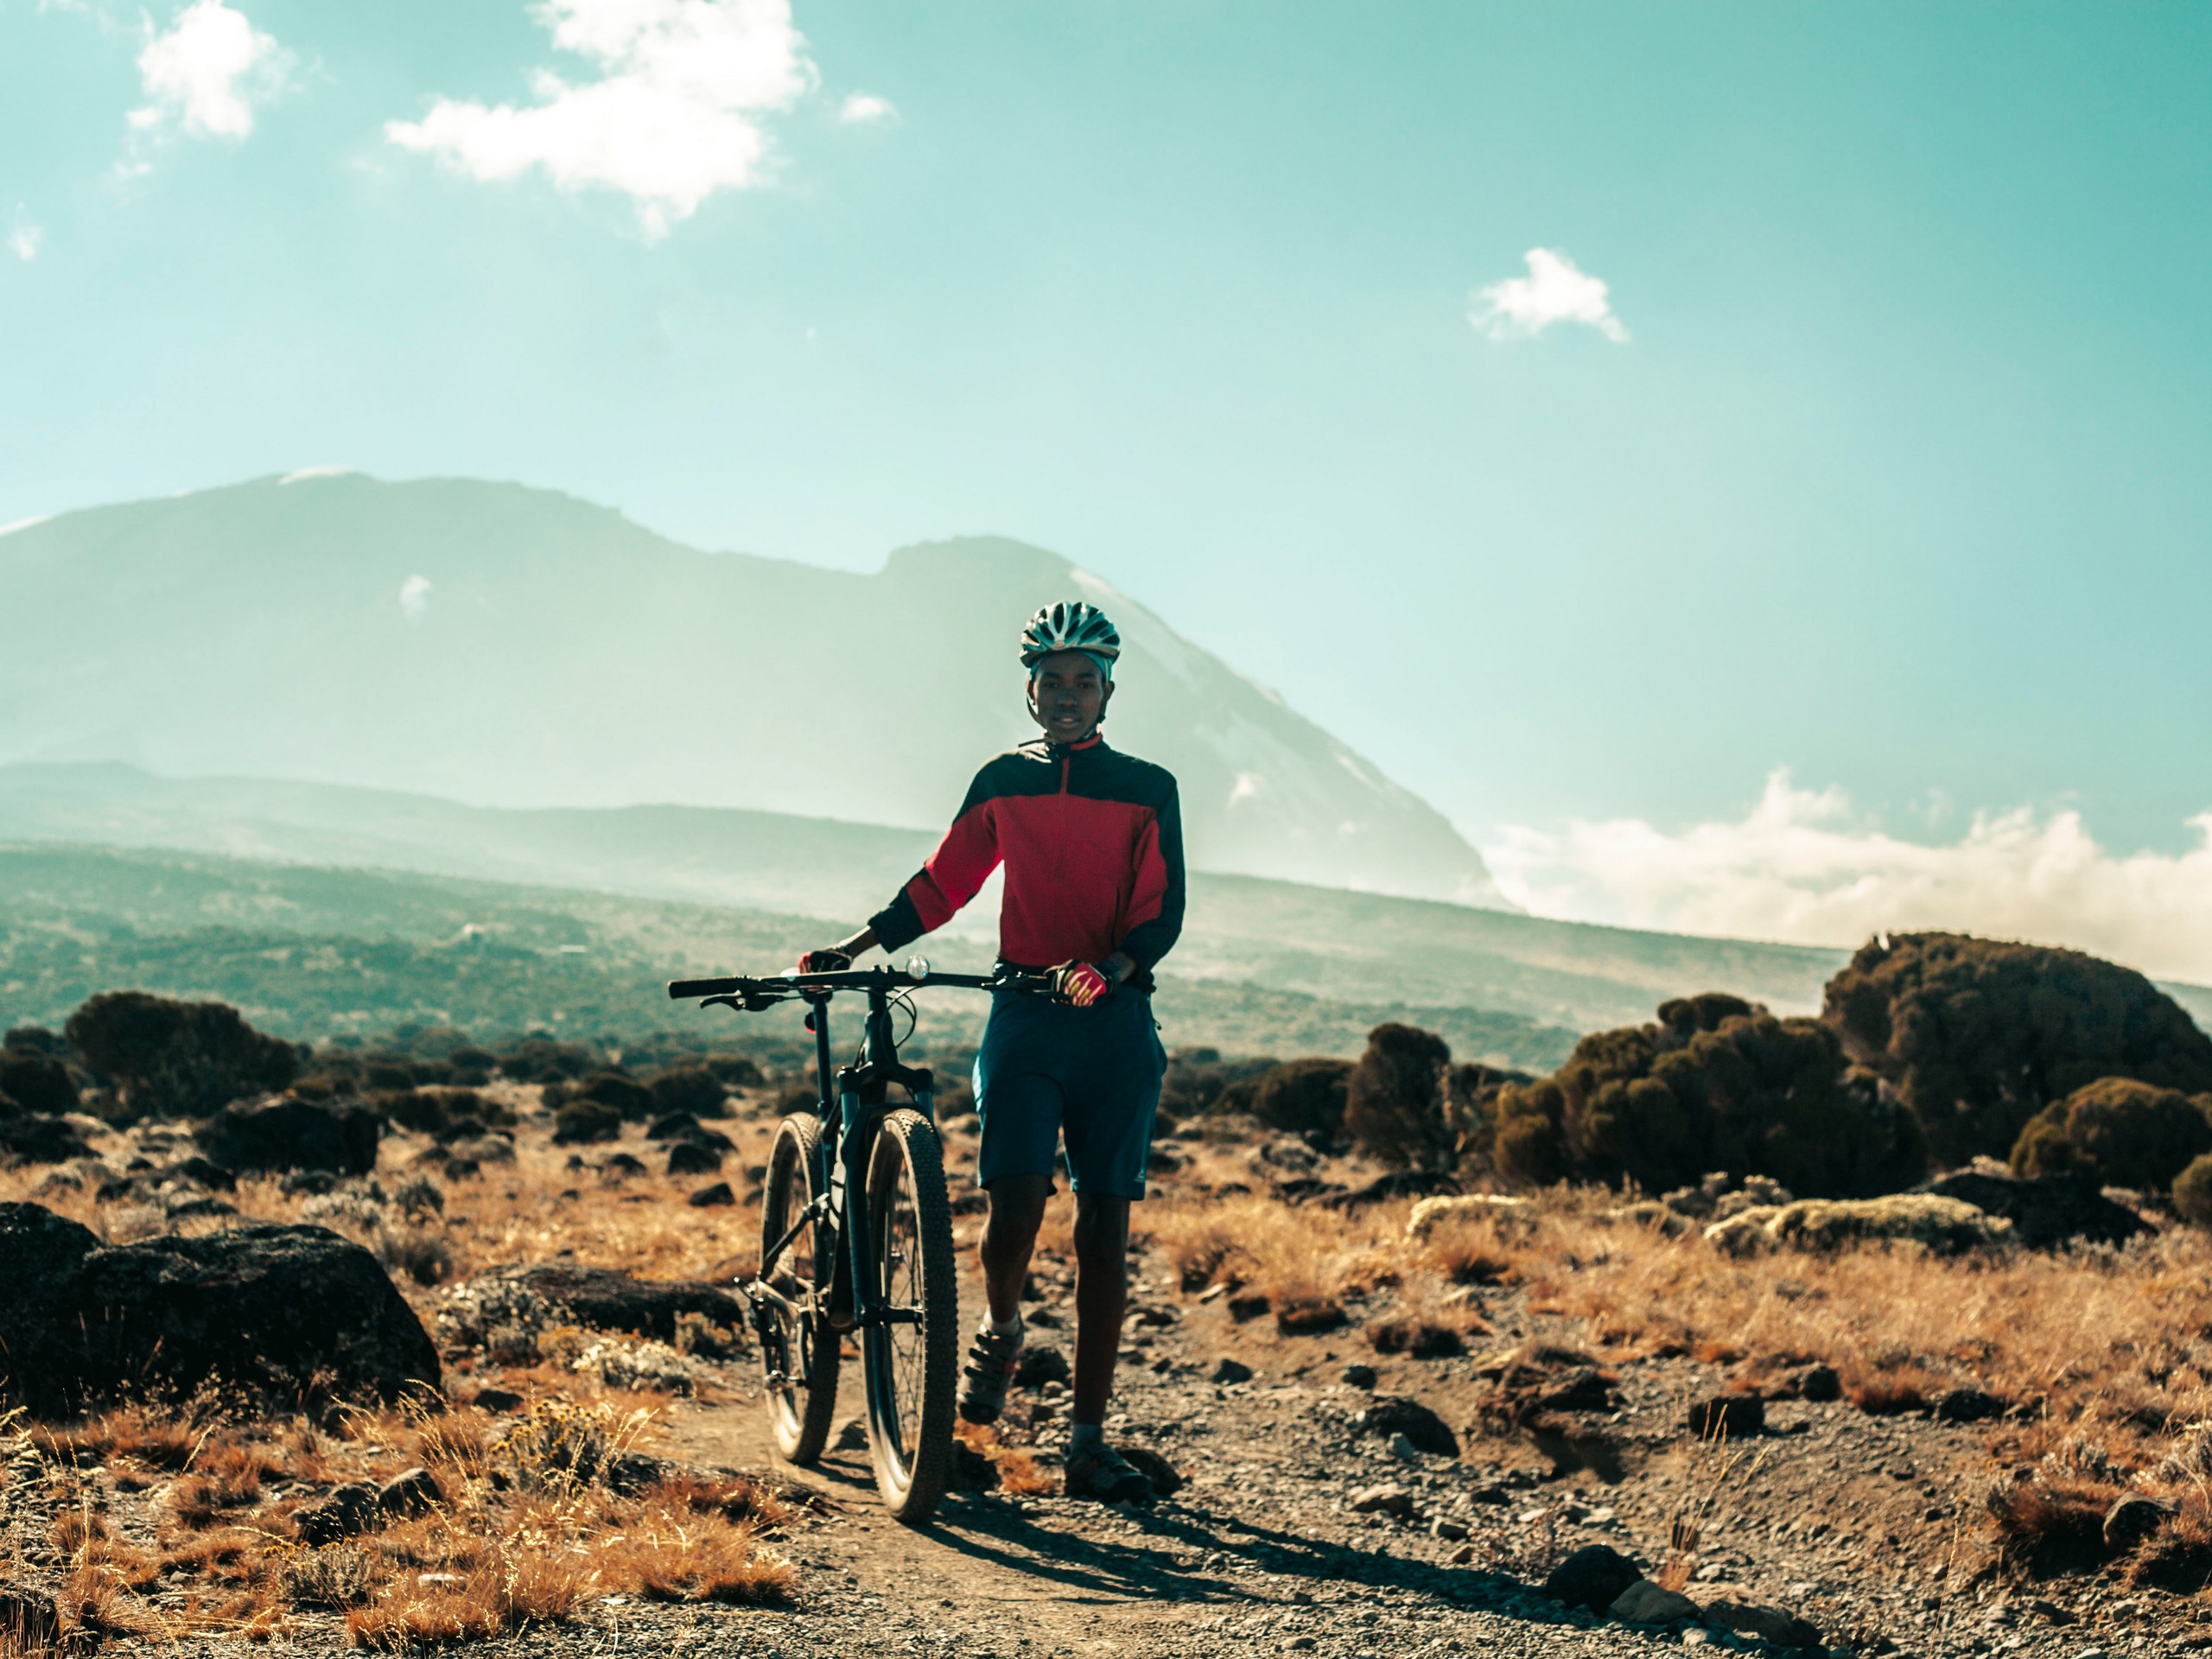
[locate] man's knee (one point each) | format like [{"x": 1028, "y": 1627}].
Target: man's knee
[
  {"x": 1018, "y": 1205},
  {"x": 1102, "y": 1229}
]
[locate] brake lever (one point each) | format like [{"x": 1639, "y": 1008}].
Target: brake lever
[{"x": 722, "y": 1002}]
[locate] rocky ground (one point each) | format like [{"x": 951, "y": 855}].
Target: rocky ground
[{"x": 1311, "y": 1519}]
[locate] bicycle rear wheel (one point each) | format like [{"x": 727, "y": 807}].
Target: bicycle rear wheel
[
  {"x": 912, "y": 1363},
  {"x": 798, "y": 1353}
]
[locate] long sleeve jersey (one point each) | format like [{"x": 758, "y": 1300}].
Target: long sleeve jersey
[{"x": 1092, "y": 842}]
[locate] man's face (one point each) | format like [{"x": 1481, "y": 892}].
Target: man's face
[{"x": 1068, "y": 696}]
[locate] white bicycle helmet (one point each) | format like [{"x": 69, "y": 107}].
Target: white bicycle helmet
[{"x": 1070, "y": 625}]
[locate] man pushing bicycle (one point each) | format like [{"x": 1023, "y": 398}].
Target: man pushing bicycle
[{"x": 1092, "y": 844}]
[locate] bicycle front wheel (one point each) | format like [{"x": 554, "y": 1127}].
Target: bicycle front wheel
[
  {"x": 912, "y": 1359},
  {"x": 799, "y": 1351}
]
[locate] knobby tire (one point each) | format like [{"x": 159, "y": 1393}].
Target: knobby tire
[
  {"x": 802, "y": 1408},
  {"x": 913, "y": 1371}
]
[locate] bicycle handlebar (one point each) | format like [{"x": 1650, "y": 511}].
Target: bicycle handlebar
[{"x": 781, "y": 985}]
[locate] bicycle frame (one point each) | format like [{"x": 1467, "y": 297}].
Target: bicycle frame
[{"x": 850, "y": 1113}]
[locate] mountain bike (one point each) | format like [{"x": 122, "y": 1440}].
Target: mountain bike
[{"x": 856, "y": 1235}]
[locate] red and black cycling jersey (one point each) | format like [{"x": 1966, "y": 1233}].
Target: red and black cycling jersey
[{"x": 1092, "y": 842}]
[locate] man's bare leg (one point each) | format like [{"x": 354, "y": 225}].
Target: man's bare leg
[
  {"x": 1102, "y": 1296},
  {"x": 1009, "y": 1239}
]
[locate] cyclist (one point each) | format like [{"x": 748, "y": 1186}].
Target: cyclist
[{"x": 1092, "y": 842}]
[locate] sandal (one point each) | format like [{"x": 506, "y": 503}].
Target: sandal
[
  {"x": 1105, "y": 1475},
  {"x": 991, "y": 1361}
]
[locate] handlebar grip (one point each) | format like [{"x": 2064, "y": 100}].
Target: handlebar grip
[{"x": 679, "y": 989}]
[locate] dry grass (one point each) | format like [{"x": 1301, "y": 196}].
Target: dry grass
[
  {"x": 1020, "y": 1474},
  {"x": 2103, "y": 1356}
]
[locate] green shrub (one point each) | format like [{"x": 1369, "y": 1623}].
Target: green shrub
[
  {"x": 2117, "y": 1132},
  {"x": 473, "y": 1066},
  {"x": 692, "y": 1089},
  {"x": 624, "y": 1093},
  {"x": 180, "y": 1058},
  {"x": 36, "y": 1082},
  {"x": 1200, "y": 1084},
  {"x": 736, "y": 1071},
  {"x": 1397, "y": 1100},
  {"x": 2193, "y": 1191},
  {"x": 1715, "y": 1084},
  {"x": 1978, "y": 1036},
  {"x": 540, "y": 1059},
  {"x": 1304, "y": 1098},
  {"x": 583, "y": 1121}
]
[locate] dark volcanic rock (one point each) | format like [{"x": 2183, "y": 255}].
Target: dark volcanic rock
[
  {"x": 1732, "y": 1416},
  {"x": 1388, "y": 1414},
  {"x": 606, "y": 1299},
  {"x": 1775, "y": 1624},
  {"x": 1167, "y": 1480},
  {"x": 281, "y": 1132},
  {"x": 1593, "y": 1577},
  {"x": 2132, "y": 1519},
  {"x": 281, "y": 1315},
  {"x": 2054, "y": 1209},
  {"x": 346, "y": 1512},
  {"x": 29, "y": 1622},
  {"x": 33, "y": 1138},
  {"x": 412, "y": 1491},
  {"x": 1968, "y": 1406},
  {"x": 1399, "y": 1184},
  {"x": 712, "y": 1198}
]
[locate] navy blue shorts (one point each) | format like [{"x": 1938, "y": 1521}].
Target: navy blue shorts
[{"x": 1092, "y": 1075}]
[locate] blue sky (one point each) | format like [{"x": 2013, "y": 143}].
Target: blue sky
[{"x": 1887, "y": 466}]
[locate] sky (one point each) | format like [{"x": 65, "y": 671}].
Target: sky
[{"x": 1747, "y": 465}]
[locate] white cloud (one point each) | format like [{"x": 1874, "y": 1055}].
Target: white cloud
[
  {"x": 301, "y": 475},
  {"x": 415, "y": 598},
  {"x": 676, "y": 115},
  {"x": 1798, "y": 867},
  {"x": 867, "y": 106},
  {"x": 206, "y": 73},
  {"x": 1555, "y": 290},
  {"x": 24, "y": 237}
]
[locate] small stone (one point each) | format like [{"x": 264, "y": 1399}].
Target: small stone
[
  {"x": 712, "y": 1198},
  {"x": 1728, "y": 1416},
  {"x": 498, "y": 1400},
  {"x": 1360, "y": 1376},
  {"x": 1769, "y": 1623},
  {"x": 345, "y": 1512},
  {"x": 1818, "y": 1385},
  {"x": 1646, "y": 1603},
  {"x": 1402, "y": 1448},
  {"x": 1463, "y": 1555},
  {"x": 1230, "y": 1371},
  {"x": 2132, "y": 1520},
  {"x": 1451, "y": 1530},
  {"x": 1592, "y": 1578},
  {"x": 1968, "y": 1406},
  {"x": 852, "y": 1436},
  {"x": 1694, "y": 1637},
  {"x": 1389, "y": 1498},
  {"x": 1299, "y": 1644},
  {"x": 412, "y": 1492}
]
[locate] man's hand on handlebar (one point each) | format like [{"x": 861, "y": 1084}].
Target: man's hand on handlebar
[
  {"x": 835, "y": 959},
  {"x": 1082, "y": 983}
]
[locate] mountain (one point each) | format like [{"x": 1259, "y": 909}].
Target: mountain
[
  {"x": 520, "y": 648},
  {"x": 1326, "y": 943}
]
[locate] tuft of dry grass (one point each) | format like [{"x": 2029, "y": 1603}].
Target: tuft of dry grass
[{"x": 1020, "y": 1474}]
